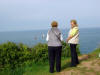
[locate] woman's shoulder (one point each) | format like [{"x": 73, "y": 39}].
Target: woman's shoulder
[
  {"x": 49, "y": 31},
  {"x": 75, "y": 28},
  {"x": 59, "y": 31}
]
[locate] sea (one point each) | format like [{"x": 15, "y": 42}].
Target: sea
[{"x": 89, "y": 38}]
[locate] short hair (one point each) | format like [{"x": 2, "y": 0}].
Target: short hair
[
  {"x": 75, "y": 22},
  {"x": 54, "y": 24}
]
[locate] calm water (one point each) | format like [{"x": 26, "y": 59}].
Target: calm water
[{"x": 89, "y": 38}]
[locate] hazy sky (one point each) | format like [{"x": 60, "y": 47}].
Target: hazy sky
[{"x": 38, "y": 14}]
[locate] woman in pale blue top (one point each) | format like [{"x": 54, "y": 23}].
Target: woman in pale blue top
[{"x": 54, "y": 39}]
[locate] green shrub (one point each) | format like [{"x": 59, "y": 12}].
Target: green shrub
[
  {"x": 40, "y": 52},
  {"x": 8, "y": 54},
  {"x": 14, "y": 55}
]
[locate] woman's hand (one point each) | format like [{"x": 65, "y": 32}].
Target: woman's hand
[
  {"x": 70, "y": 37},
  {"x": 67, "y": 40}
]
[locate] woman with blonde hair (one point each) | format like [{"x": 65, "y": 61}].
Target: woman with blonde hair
[
  {"x": 73, "y": 40},
  {"x": 54, "y": 39}
]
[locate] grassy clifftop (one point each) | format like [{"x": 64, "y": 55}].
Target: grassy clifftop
[
  {"x": 15, "y": 58},
  {"x": 89, "y": 64}
]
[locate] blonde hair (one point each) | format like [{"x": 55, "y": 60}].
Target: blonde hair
[
  {"x": 75, "y": 22},
  {"x": 54, "y": 24}
]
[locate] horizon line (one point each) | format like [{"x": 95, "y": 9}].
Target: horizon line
[{"x": 46, "y": 29}]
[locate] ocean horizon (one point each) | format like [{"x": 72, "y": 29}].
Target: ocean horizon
[{"x": 89, "y": 38}]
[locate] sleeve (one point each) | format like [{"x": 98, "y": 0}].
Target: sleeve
[
  {"x": 47, "y": 38},
  {"x": 61, "y": 37},
  {"x": 74, "y": 32}
]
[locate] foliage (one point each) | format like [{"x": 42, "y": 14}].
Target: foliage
[
  {"x": 14, "y": 55},
  {"x": 40, "y": 52}
]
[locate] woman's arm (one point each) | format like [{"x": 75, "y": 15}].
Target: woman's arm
[
  {"x": 47, "y": 38},
  {"x": 61, "y": 37},
  {"x": 70, "y": 37}
]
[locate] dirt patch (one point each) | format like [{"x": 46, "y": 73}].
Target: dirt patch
[
  {"x": 90, "y": 67},
  {"x": 70, "y": 72},
  {"x": 83, "y": 57},
  {"x": 90, "y": 73}
]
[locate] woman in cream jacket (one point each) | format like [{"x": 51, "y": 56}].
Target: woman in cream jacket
[{"x": 73, "y": 40}]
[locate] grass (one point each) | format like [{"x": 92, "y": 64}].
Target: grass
[
  {"x": 43, "y": 68},
  {"x": 35, "y": 69}
]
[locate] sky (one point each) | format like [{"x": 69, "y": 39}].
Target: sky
[{"x": 19, "y": 15}]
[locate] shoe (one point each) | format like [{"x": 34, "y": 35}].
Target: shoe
[
  {"x": 58, "y": 71},
  {"x": 78, "y": 63},
  {"x": 73, "y": 65},
  {"x": 51, "y": 71}
]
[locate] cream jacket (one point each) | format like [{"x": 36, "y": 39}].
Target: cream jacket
[{"x": 75, "y": 33}]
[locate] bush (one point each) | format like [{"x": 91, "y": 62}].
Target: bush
[
  {"x": 40, "y": 52},
  {"x": 13, "y": 55},
  {"x": 66, "y": 52}
]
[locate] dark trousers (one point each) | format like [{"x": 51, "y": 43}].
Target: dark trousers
[
  {"x": 74, "y": 57},
  {"x": 54, "y": 56}
]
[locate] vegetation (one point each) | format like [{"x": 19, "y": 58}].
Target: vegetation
[
  {"x": 15, "y": 57},
  {"x": 86, "y": 66},
  {"x": 19, "y": 59}
]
